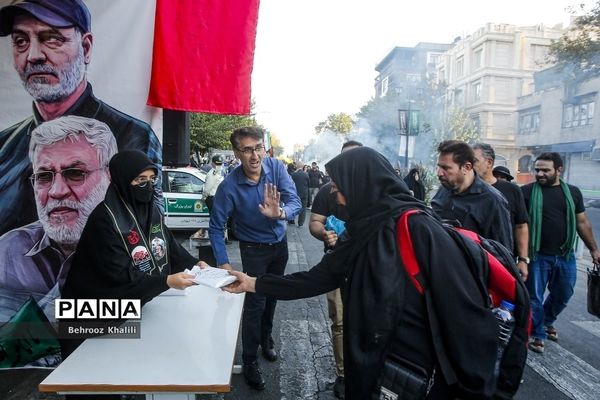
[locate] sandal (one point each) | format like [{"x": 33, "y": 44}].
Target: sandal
[{"x": 552, "y": 333}]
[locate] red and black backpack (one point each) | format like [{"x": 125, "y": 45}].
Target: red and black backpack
[{"x": 498, "y": 275}]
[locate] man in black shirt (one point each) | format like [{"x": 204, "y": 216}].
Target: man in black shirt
[
  {"x": 465, "y": 198},
  {"x": 484, "y": 165},
  {"x": 324, "y": 205},
  {"x": 557, "y": 215}
]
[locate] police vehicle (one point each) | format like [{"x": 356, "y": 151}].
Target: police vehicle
[{"x": 184, "y": 201}]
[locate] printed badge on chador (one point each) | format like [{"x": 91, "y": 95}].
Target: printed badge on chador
[
  {"x": 141, "y": 258},
  {"x": 158, "y": 248},
  {"x": 133, "y": 237}
]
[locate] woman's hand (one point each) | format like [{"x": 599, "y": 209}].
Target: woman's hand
[
  {"x": 180, "y": 280},
  {"x": 243, "y": 284}
]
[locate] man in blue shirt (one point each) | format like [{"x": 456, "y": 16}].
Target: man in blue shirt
[{"x": 260, "y": 196}]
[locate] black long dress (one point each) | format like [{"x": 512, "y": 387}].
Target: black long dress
[
  {"x": 415, "y": 185},
  {"x": 382, "y": 310},
  {"x": 103, "y": 266}
]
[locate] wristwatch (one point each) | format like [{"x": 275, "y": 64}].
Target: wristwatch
[
  {"x": 281, "y": 213},
  {"x": 524, "y": 259}
]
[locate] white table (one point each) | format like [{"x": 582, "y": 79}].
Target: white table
[{"x": 187, "y": 346}]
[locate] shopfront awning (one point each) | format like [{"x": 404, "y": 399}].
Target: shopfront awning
[{"x": 571, "y": 147}]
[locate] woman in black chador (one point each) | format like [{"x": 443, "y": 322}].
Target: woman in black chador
[
  {"x": 125, "y": 251},
  {"x": 414, "y": 182},
  {"x": 385, "y": 317}
]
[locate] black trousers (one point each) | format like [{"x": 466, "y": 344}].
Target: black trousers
[
  {"x": 257, "y": 319},
  {"x": 209, "y": 200},
  {"x": 302, "y": 214}
]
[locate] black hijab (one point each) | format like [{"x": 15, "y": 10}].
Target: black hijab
[
  {"x": 124, "y": 167},
  {"x": 375, "y": 280}
]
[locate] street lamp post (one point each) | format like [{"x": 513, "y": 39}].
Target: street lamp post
[{"x": 405, "y": 123}]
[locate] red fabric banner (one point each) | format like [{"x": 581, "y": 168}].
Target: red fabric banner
[{"x": 203, "y": 55}]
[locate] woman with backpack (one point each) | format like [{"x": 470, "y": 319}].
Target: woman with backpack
[{"x": 388, "y": 346}]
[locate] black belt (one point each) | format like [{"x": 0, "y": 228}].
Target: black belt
[{"x": 255, "y": 244}]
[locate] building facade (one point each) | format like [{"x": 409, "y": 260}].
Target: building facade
[
  {"x": 407, "y": 74},
  {"x": 486, "y": 72},
  {"x": 408, "y": 67},
  {"x": 560, "y": 115}
]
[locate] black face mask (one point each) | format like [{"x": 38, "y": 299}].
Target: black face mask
[{"x": 143, "y": 194}]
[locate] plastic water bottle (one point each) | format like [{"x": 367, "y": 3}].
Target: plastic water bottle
[{"x": 506, "y": 323}]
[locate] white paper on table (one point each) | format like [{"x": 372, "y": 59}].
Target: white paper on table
[{"x": 210, "y": 276}]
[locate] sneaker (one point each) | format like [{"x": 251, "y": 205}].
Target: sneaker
[
  {"x": 536, "y": 345},
  {"x": 552, "y": 333}
]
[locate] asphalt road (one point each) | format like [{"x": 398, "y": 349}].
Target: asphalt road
[{"x": 568, "y": 369}]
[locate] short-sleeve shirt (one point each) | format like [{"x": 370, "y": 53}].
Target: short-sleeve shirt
[
  {"x": 516, "y": 203},
  {"x": 554, "y": 215},
  {"x": 325, "y": 204}
]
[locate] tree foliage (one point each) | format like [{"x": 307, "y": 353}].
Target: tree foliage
[
  {"x": 578, "y": 50},
  {"x": 213, "y": 130},
  {"x": 340, "y": 124},
  {"x": 458, "y": 125},
  {"x": 278, "y": 149}
]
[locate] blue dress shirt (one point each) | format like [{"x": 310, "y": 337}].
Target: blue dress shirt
[{"x": 239, "y": 197}]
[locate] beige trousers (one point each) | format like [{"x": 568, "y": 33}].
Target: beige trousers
[{"x": 336, "y": 314}]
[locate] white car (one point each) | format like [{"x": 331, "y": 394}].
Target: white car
[{"x": 184, "y": 200}]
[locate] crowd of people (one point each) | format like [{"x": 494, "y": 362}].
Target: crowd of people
[
  {"x": 85, "y": 178},
  {"x": 379, "y": 322}
]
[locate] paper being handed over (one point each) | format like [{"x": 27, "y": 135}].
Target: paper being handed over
[{"x": 210, "y": 276}]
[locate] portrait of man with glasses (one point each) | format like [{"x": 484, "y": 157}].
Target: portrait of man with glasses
[
  {"x": 260, "y": 196},
  {"x": 69, "y": 156}
]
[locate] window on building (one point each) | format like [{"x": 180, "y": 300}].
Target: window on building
[
  {"x": 434, "y": 58},
  {"x": 475, "y": 121},
  {"x": 503, "y": 89},
  {"x": 529, "y": 121},
  {"x": 501, "y": 160},
  {"x": 459, "y": 97},
  {"x": 476, "y": 89},
  {"x": 413, "y": 77},
  {"x": 385, "y": 85},
  {"x": 580, "y": 113},
  {"x": 503, "y": 56},
  {"x": 460, "y": 66},
  {"x": 442, "y": 75},
  {"x": 525, "y": 164},
  {"x": 478, "y": 58},
  {"x": 539, "y": 55}
]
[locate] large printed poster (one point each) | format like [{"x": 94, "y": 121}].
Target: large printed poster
[{"x": 74, "y": 81}]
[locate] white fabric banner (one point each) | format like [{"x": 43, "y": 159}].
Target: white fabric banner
[{"x": 119, "y": 71}]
